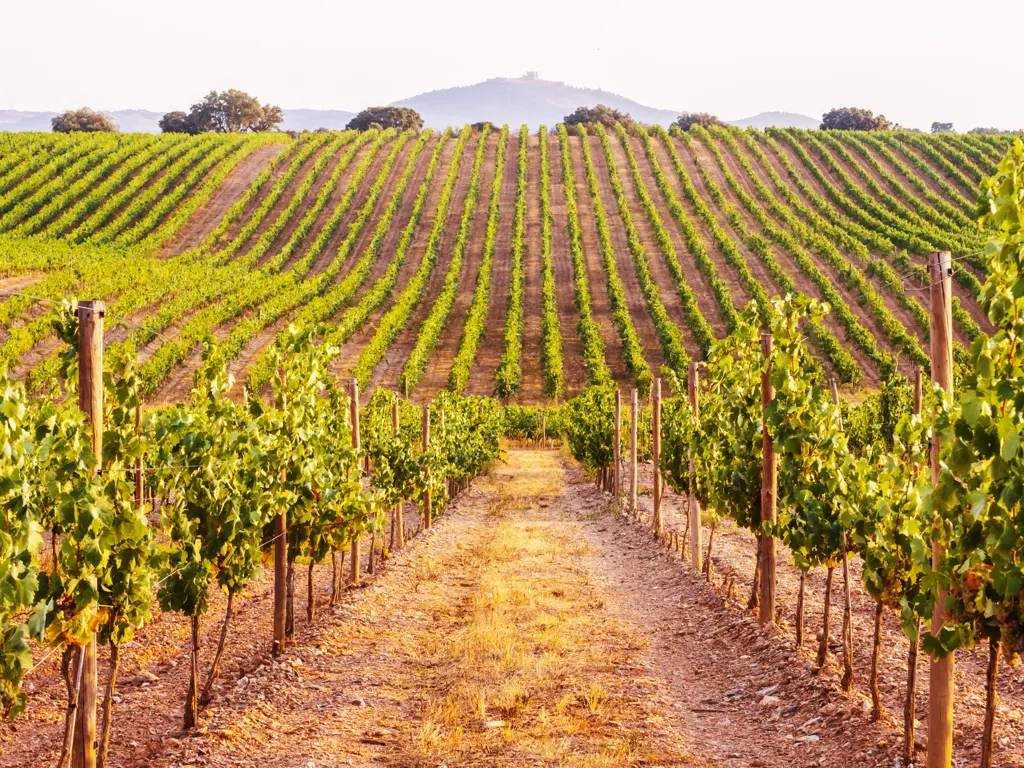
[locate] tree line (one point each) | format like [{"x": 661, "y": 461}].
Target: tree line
[{"x": 235, "y": 111}]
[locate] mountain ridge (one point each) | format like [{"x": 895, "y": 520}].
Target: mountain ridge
[{"x": 527, "y": 99}]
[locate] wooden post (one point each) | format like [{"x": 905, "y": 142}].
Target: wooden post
[
  {"x": 847, "y": 602},
  {"x": 910, "y": 698},
  {"x": 399, "y": 522},
  {"x": 618, "y": 447},
  {"x": 940, "y": 678},
  {"x": 280, "y": 582},
  {"x": 426, "y": 446},
  {"x": 696, "y": 543},
  {"x": 918, "y": 390},
  {"x": 766, "y": 605},
  {"x": 90, "y": 400},
  {"x": 139, "y": 494},
  {"x": 635, "y": 415},
  {"x": 656, "y": 441},
  {"x": 354, "y": 420},
  {"x": 544, "y": 429},
  {"x": 440, "y": 427}
]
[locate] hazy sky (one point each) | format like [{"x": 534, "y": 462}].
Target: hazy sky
[{"x": 912, "y": 60}]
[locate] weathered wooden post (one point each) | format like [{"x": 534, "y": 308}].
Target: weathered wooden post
[
  {"x": 139, "y": 489},
  {"x": 426, "y": 446},
  {"x": 847, "y": 681},
  {"x": 634, "y": 417},
  {"x": 940, "y": 685},
  {"x": 656, "y": 441},
  {"x": 766, "y": 605},
  {"x": 696, "y": 543},
  {"x": 618, "y": 447},
  {"x": 90, "y": 400},
  {"x": 910, "y": 699},
  {"x": 354, "y": 420},
  {"x": 396, "y": 521}
]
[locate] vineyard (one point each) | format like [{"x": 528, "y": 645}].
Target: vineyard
[
  {"x": 292, "y": 358},
  {"x": 488, "y": 262}
]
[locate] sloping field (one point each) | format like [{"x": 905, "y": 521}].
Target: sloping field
[{"x": 475, "y": 260}]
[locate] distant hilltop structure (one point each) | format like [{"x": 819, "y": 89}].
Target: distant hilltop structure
[{"x": 531, "y": 74}]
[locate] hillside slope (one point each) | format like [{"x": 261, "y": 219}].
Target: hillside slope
[
  {"x": 521, "y": 100},
  {"x": 764, "y": 120},
  {"x": 660, "y": 238}
]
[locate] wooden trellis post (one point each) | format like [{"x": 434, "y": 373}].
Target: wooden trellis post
[
  {"x": 847, "y": 602},
  {"x": 90, "y": 400},
  {"x": 426, "y": 446},
  {"x": 397, "y": 522},
  {"x": 940, "y": 685},
  {"x": 634, "y": 417},
  {"x": 910, "y": 699},
  {"x": 656, "y": 441},
  {"x": 696, "y": 543},
  {"x": 766, "y": 606},
  {"x": 354, "y": 418},
  {"x": 618, "y": 447}
]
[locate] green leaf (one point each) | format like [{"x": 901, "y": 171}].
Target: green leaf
[{"x": 1009, "y": 438}]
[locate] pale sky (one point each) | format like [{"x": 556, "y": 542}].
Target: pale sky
[{"x": 913, "y": 60}]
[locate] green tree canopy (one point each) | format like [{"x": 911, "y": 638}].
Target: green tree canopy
[
  {"x": 854, "y": 119},
  {"x": 85, "y": 120},
  {"x": 230, "y": 111},
  {"x": 177, "y": 122},
  {"x": 399, "y": 118}
]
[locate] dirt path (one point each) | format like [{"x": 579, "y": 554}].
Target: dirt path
[
  {"x": 212, "y": 211},
  {"x": 532, "y": 626}
]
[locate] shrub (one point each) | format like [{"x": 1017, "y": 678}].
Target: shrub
[
  {"x": 600, "y": 114},
  {"x": 703, "y": 119}
]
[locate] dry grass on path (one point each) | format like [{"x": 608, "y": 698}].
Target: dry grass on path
[{"x": 534, "y": 672}]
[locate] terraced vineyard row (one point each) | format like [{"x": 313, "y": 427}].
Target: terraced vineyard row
[{"x": 483, "y": 261}]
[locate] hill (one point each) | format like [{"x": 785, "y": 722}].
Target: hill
[
  {"x": 521, "y": 100},
  {"x": 15, "y": 120},
  {"x": 764, "y": 120},
  {"x": 356, "y": 195}
]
